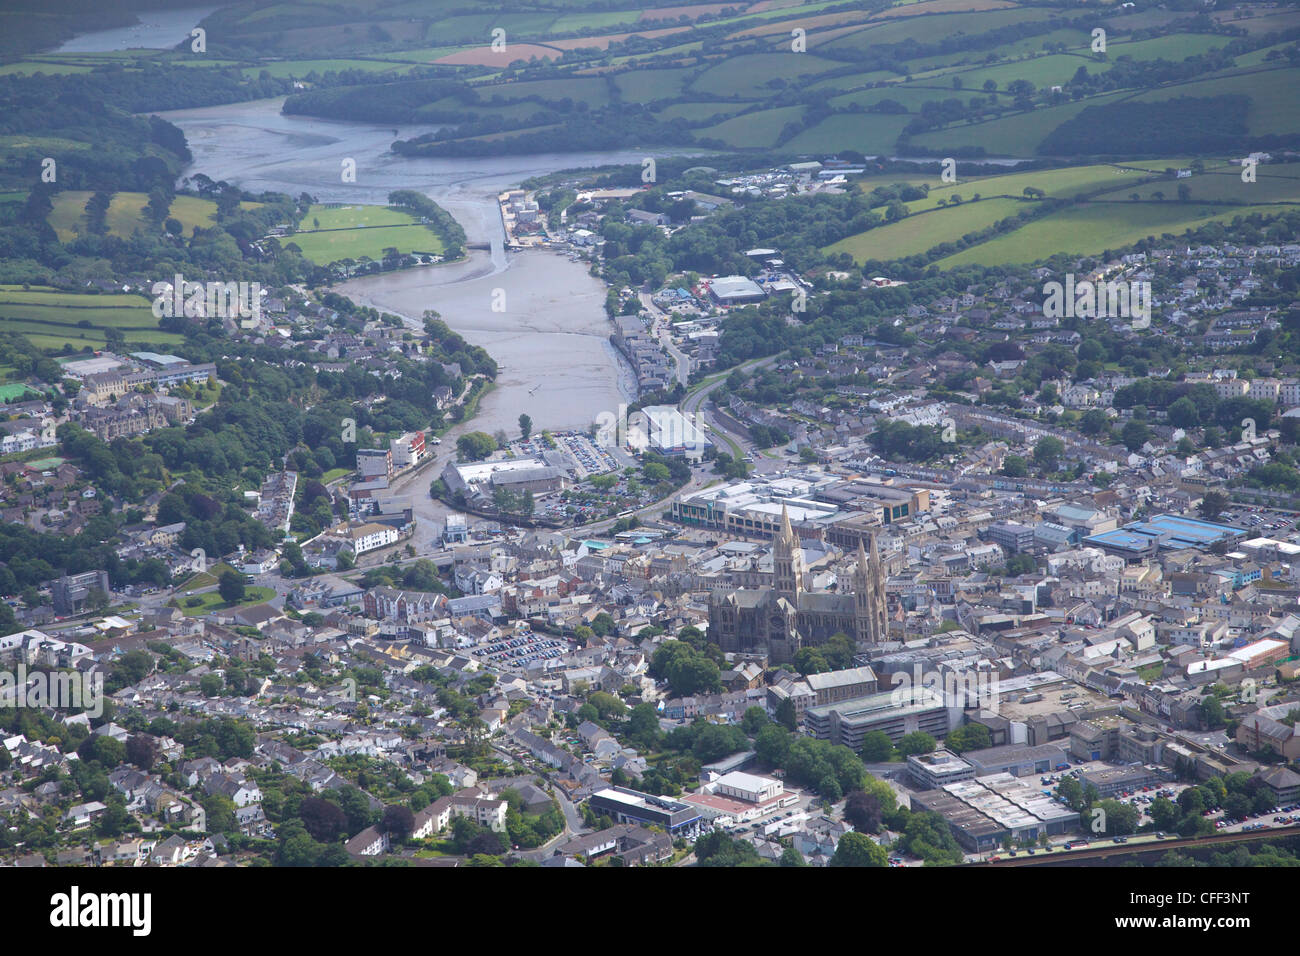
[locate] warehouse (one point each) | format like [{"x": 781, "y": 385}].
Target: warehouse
[{"x": 735, "y": 290}]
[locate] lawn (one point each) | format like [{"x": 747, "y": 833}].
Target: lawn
[
  {"x": 332, "y": 233},
  {"x": 918, "y": 233},
  {"x": 212, "y": 601}
]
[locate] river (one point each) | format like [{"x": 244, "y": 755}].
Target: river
[
  {"x": 157, "y": 30},
  {"x": 539, "y": 314},
  {"x": 551, "y": 337}
]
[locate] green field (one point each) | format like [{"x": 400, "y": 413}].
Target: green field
[
  {"x": 853, "y": 81},
  {"x": 31, "y": 68},
  {"x": 865, "y": 132},
  {"x": 646, "y": 86},
  {"x": 1176, "y": 46},
  {"x": 1274, "y": 106},
  {"x": 1261, "y": 57},
  {"x": 588, "y": 89},
  {"x": 1272, "y": 184},
  {"x": 125, "y": 213},
  {"x": 698, "y": 112},
  {"x": 351, "y": 232},
  {"x": 580, "y": 22},
  {"x": 298, "y": 69},
  {"x": 1056, "y": 183},
  {"x": 1042, "y": 71},
  {"x": 1095, "y": 227},
  {"x": 917, "y": 234},
  {"x": 748, "y": 76},
  {"x": 753, "y": 130},
  {"x": 1017, "y": 134},
  {"x": 51, "y": 319},
  {"x": 909, "y": 95},
  {"x": 934, "y": 27}
]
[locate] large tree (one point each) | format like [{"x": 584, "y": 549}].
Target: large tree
[
  {"x": 858, "y": 849},
  {"x": 1212, "y": 505},
  {"x": 232, "y": 587},
  {"x": 398, "y": 821}
]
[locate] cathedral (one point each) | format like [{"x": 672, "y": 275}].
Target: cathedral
[{"x": 779, "y": 620}]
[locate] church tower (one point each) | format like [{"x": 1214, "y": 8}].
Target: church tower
[
  {"x": 787, "y": 561},
  {"x": 869, "y": 596}
]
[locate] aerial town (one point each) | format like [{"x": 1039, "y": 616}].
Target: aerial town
[{"x": 414, "y": 454}]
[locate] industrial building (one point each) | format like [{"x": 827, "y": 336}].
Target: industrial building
[
  {"x": 983, "y": 813},
  {"x": 1019, "y": 760},
  {"x": 735, "y": 290},
  {"x": 1142, "y": 539}
]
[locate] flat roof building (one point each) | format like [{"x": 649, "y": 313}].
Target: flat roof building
[
  {"x": 631, "y": 806},
  {"x": 736, "y": 290},
  {"x": 1018, "y": 760},
  {"x": 1116, "y": 780},
  {"x": 1139, "y": 539},
  {"x": 933, "y": 770},
  {"x": 667, "y": 431},
  {"x": 748, "y": 787},
  {"x": 896, "y": 715}
]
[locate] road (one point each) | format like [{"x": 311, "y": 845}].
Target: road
[
  {"x": 696, "y": 404},
  {"x": 661, "y": 323},
  {"x": 573, "y": 822}
]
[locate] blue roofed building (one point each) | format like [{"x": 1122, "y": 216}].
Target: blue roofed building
[{"x": 1138, "y": 540}]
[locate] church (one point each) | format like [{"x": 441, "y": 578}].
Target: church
[{"x": 779, "y": 620}]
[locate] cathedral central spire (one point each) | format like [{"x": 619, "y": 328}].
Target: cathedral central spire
[
  {"x": 869, "y": 595},
  {"x": 787, "y": 559}
]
